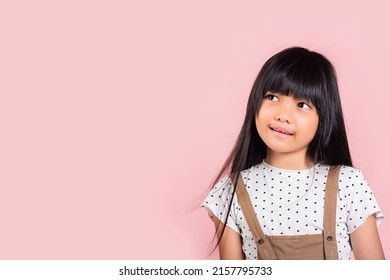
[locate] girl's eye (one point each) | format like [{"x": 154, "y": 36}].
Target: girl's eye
[
  {"x": 271, "y": 97},
  {"x": 304, "y": 105}
]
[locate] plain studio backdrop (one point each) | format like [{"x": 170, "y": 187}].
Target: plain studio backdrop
[{"x": 115, "y": 116}]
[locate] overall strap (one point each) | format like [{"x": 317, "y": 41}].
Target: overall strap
[
  {"x": 264, "y": 248},
  {"x": 330, "y": 207}
]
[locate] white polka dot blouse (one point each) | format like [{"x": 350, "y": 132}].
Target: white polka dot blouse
[{"x": 291, "y": 202}]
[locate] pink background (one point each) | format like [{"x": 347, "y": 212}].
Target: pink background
[{"x": 116, "y": 115}]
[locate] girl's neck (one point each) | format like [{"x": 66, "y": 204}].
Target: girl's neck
[{"x": 289, "y": 162}]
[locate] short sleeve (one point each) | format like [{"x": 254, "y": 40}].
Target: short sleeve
[
  {"x": 361, "y": 202},
  {"x": 218, "y": 200}
]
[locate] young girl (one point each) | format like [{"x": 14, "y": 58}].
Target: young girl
[{"x": 291, "y": 191}]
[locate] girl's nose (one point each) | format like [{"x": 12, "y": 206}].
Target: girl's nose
[
  {"x": 284, "y": 114},
  {"x": 283, "y": 118}
]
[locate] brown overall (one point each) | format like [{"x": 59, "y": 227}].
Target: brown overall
[{"x": 321, "y": 246}]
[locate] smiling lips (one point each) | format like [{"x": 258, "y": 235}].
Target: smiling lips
[{"x": 281, "y": 130}]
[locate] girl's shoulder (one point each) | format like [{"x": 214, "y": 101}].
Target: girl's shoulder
[
  {"x": 223, "y": 189},
  {"x": 346, "y": 172},
  {"x": 350, "y": 171}
]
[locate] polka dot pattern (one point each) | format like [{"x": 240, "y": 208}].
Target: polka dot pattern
[{"x": 291, "y": 202}]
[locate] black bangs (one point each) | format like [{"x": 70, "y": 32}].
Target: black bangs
[{"x": 300, "y": 74}]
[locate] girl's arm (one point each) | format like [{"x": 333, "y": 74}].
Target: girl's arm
[
  {"x": 230, "y": 246},
  {"x": 366, "y": 243}
]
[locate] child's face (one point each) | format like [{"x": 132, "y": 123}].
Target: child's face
[{"x": 286, "y": 125}]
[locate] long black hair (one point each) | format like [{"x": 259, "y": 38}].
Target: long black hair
[{"x": 300, "y": 73}]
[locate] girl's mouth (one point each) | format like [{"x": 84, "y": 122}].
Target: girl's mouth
[{"x": 281, "y": 130}]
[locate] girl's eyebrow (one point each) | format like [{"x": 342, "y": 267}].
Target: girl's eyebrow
[{"x": 304, "y": 99}]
